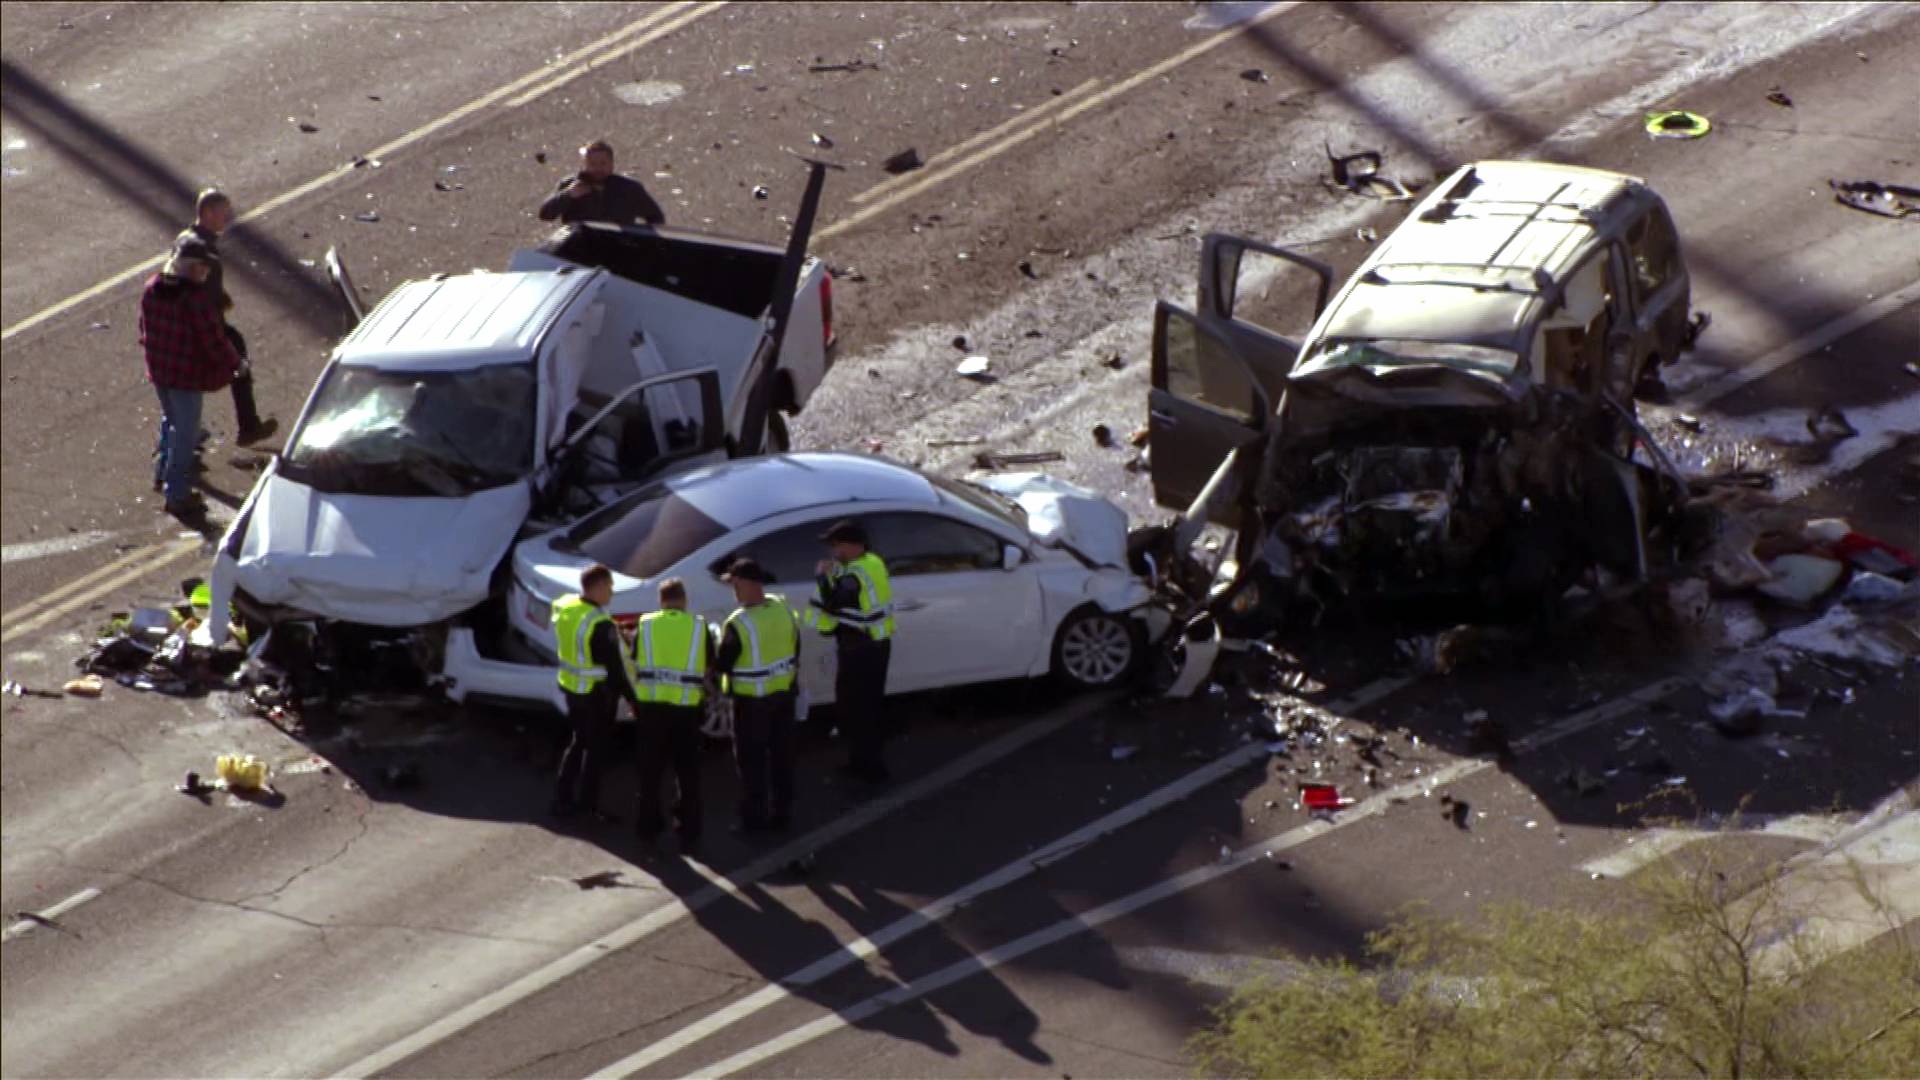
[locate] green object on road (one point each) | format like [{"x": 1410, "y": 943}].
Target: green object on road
[
  {"x": 202, "y": 597},
  {"x": 1677, "y": 124}
]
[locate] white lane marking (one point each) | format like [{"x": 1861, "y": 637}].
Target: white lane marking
[
  {"x": 733, "y": 884},
  {"x": 608, "y": 57},
  {"x": 1824, "y": 334},
  {"x": 1852, "y": 894},
  {"x": 929, "y": 914},
  {"x": 54, "y": 912},
  {"x": 1222, "y": 970},
  {"x": 1030, "y": 116},
  {"x": 1646, "y": 848},
  {"x": 1256, "y": 852},
  {"x": 40, "y": 549}
]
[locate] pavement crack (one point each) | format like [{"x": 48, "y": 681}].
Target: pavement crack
[
  {"x": 360, "y": 820},
  {"x": 690, "y": 966},
  {"x": 1097, "y": 1045}
]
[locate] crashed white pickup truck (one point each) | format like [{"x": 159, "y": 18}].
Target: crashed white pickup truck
[{"x": 468, "y": 410}]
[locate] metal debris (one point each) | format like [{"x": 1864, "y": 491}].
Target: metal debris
[
  {"x": 903, "y": 162},
  {"x": 987, "y": 459},
  {"x": 1887, "y": 200}
]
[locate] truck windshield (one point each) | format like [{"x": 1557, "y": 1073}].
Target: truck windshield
[
  {"x": 1391, "y": 353},
  {"x": 417, "y": 433}
]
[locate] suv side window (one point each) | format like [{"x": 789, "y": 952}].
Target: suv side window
[
  {"x": 1653, "y": 248},
  {"x": 1215, "y": 380},
  {"x": 931, "y": 544}
]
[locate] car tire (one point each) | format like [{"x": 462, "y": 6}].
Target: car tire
[{"x": 1095, "y": 649}]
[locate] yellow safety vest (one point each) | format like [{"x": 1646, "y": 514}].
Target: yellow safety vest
[
  {"x": 574, "y": 619},
  {"x": 670, "y": 658},
  {"x": 769, "y": 649},
  {"x": 876, "y": 599}
]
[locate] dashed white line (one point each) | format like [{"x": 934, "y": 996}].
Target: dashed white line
[{"x": 49, "y": 914}]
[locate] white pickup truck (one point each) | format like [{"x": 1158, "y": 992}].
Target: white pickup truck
[{"x": 466, "y": 411}]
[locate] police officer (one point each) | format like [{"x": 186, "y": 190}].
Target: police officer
[
  {"x": 672, "y": 655},
  {"x": 759, "y": 658},
  {"x": 856, "y": 607},
  {"x": 593, "y": 672}
]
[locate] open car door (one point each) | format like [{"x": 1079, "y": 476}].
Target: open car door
[
  {"x": 651, "y": 426},
  {"x": 1265, "y": 299},
  {"x": 1205, "y": 403}
]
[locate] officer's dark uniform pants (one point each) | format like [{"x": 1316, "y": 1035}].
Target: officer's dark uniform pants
[
  {"x": 763, "y": 751},
  {"x": 246, "y": 414},
  {"x": 859, "y": 695},
  {"x": 669, "y": 736},
  {"x": 585, "y": 758}
]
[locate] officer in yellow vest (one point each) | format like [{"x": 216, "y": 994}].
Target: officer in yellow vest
[
  {"x": 593, "y": 672},
  {"x": 855, "y": 606},
  {"x": 672, "y": 656},
  {"x": 759, "y": 662}
]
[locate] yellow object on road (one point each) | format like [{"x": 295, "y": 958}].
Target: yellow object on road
[
  {"x": 85, "y": 686},
  {"x": 1677, "y": 124},
  {"x": 242, "y": 772}
]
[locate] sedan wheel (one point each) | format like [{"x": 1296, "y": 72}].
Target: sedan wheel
[{"x": 1095, "y": 649}]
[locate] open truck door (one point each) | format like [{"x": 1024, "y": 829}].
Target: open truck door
[
  {"x": 343, "y": 286},
  {"x": 757, "y": 426},
  {"x": 1205, "y": 404},
  {"x": 637, "y": 434}
]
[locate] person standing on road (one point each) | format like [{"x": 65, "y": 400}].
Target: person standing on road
[
  {"x": 759, "y": 662},
  {"x": 672, "y": 655},
  {"x": 594, "y": 675},
  {"x": 212, "y": 214},
  {"x": 188, "y": 356},
  {"x": 856, "y": 607},
  {"x": 597, "y": 193}
]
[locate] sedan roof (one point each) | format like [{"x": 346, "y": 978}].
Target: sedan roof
[{"x": 738, "y": 493}]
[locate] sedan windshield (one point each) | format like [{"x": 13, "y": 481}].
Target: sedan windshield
[
  {"x": 417, "y": 433},
  {"x": 984, "y": 499}
]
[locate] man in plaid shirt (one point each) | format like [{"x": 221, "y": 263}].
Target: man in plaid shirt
[{"x": 188, "y": 355}]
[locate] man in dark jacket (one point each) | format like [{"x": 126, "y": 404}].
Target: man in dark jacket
[
  {"x": 594, "y": 677},
  {"x": 212, "y": 214},
  {"x": 597, "y": 193},
  {"x": 188, "y": 356}
]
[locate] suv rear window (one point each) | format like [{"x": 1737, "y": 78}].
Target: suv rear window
[{"x": 646, "y": 533}]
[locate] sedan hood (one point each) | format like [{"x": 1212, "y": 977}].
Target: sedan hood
[
  {"x": 373, "y": 559},
  {"x": 1067, "y": 516}
]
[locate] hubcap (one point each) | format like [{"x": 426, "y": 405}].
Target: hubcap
[{"x": 1096, "y": 651}]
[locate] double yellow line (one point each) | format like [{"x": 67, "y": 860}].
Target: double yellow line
[{"x": 87, "y": 588}]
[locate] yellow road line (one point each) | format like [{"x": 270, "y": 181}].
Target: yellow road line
[
  {"x": 81, "y": 582},
  {"x": 651, "y": 18},
  {"x": 988, "y": 153},
  {"x": 161, "y": 555},
  {"x": 653, "y": 35},
  {"x": 1032, "y": 115}
]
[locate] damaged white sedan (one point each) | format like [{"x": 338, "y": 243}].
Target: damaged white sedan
[{"x": 1017, "y": 576}]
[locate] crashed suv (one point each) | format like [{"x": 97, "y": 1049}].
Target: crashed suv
[{"x": 1458, "y": 420}]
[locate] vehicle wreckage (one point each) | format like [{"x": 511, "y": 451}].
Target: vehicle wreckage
[{"x": 1458, "y": 421}]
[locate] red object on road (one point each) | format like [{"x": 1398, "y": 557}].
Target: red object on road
[
  {"x": 1876, "y": 555},
  {"x": 1322, "y": 797}
]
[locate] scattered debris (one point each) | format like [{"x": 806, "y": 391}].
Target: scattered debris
[
  {"x": 1677, "y": 124},
  {"x": 1322, "y": 797},
  {"x": 241, "y": 772},
  {"x": 821, "y": 141},
  {"x": 1139, "y": 437},
  {"x": 987, "y": 459},
  {"x": 605, "y": 879},
  {"x": 1026, "y": 268},
  {"x": 305, "y": 128},
  {"x": 960, "y": 342},
  {"x": 1828, "y": 423},
  {"x": 1887, "y": 200},
  {"x": 13, "y": 688},
  {"x": 973, "y": 367},
  {"x": 1690, "y": 422},
  {"x": 540, "y": 156},
  {"x": 1359, "y": 173},
  {"x": 1255, "y": 75},
  {"x": 760, "y": 191},
  {"x": 1455, "y": 810},
  {"x": 970, "y": 440},
  {"x": 1102, "y": 435},
  {"x": 100, "y": 326},
  {"x": 1868, "y": 589},
  {"x": 856, "y": 64},
  {"x": 193, "y": 786},
  {"x": 903, "y": 162},
  {"x": 368, "y": 216},
  {"x": 91, "y": 686},
  {"x": 1114, "y": 362},
  {"x": 442, "y": 185},
  {"x": 1779, "y": 97},
  {"x": 1801, "y": 579}
]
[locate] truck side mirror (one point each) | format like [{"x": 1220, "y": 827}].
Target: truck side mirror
[{"x": 1010, "y": 557}]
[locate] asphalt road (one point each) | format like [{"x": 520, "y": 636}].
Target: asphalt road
[{"x": 1044, "y": 891}]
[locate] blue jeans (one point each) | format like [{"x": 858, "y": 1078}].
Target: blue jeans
[{"x": 179, "y": 437}]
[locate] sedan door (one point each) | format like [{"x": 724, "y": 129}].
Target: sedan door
[{"x": 960, "y": 614}]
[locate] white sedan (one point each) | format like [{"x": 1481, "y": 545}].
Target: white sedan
[{"x": 1017, "y": 576}]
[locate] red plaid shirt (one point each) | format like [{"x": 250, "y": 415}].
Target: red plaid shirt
[{"x": 182, "y": 332}]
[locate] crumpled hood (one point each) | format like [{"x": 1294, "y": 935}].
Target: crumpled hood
[
  {"x": 1066, "y": 515},
  {"x": 374, "y": 559}
]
